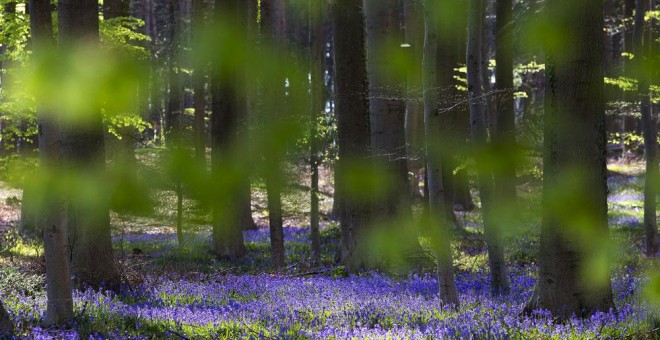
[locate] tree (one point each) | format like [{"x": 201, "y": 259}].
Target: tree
[
  {"x": 504, "y": 136},
  {"x": 433, "y": 127},
  {"x": 387, "y": 103},
  {"x": 199, "y": 98},
  {"x": 6, "y": 326},
  {"x": 643, "y": 51},
  {"x": 115, "y": 8},
  {"x": 574, "y": 172},
  {"x": 317, "y": 49},
  {"x": 51, "y": 218},
  {"x": 83, "y": 150},
  {"x": 273, "y": 26},
  {"x": 353, "y": 131},
  {"x": 493, "y": 234},
  {"x": 227, "y": 97},
  {"x": 414, "y": 126}
]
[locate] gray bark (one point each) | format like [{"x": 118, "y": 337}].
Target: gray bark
[
  {"x": 227, "y": 231},
  {"x": 317, "y": 49},
  {"x": 493, "y": 234},
  {"x": 414, "y": 125},
  {"x": 83, "y": 148},
  {"x": 353, "y": 130},
  {"x": 574, "y": 159},
  {"x": 387, "y": 104},
  {"x": 52, "y": 219},
  {"x": 273, "y": 22},
  {"x": 643, "y": 51},
  {"x": 6, "y": 326},
  {"x": 433, "y": 127}
]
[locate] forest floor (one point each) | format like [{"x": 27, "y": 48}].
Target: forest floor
[{"x": 181, "y": 291}]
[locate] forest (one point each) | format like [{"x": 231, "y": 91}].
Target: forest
[{"x": 329, "y": 169}]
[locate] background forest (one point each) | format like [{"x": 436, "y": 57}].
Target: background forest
[{"x": 381, "y": 169}]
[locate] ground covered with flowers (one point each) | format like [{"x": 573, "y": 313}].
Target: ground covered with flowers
[{"x": 181, "y": 292}]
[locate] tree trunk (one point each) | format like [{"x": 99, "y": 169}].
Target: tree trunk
[
  {"x": 273, "y": 23},
  {"x": 643, "y": 46},
  {"x": 353, "y": 131},
  {"x": 6, "y": 326},
  {"x": 199, "y": 99},
  {"x": 414, "y": 125},
  {"x": 84, "y": 156},
  {"x": 52, "y": 219},
  {"x": 227, "y": 231},
  {"x": 574, "y": 169},
  {"x": 387, "y": 104},
  {"x": 505, "y": 135},
  {"x": 433, "y": 128},
  {"x": 317, "y": 49},
  {"x": 499, "y": 280},
  {"x": 115, "y": 8}
]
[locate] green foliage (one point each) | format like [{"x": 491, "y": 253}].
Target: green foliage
[
  {"x": 123, "y": 34},
  {"x": 625, "y": 84},
  {"x": 631, "y": 140}
]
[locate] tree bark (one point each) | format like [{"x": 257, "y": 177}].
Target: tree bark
[
  {"x": 227, "y": 231},
  {"x": 414, "y": 124},
  {"x": 387, "y": 104},
  {"x": 115, "y": 8},
  {"x": 353, "y": 131},
  {"x": 504, "y": 136},
  {"x": 83, "y": 148},
  {"x": 643, "y": 46},
  {"x": 498, "y": 275},
  {"x": 6, "y": 326},
  {"x": 317, "y": 49},
  {"x": 52, "y": 219},
  {"x": 574, "y": 169},
  {"x": 433, "y": 128},
  {"x": 273, "y": 23}
]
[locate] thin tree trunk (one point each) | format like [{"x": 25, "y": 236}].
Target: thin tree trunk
[
  {"x": 273, "y": 22},
  {"x": 353, "y": 132},
  {"x": 574, "y": 160},
  {"x": 317, "y": 47},
  {"x": 199, "y": 98},
  {"x": 6, "y": 326},
  {"x": 499, "y": 279},
  {"x": 433, "y": 127},
  {"x": 414, "y": 125},
  {"x": 643, "y": 53},
  {"x": 505, "y": 134}
]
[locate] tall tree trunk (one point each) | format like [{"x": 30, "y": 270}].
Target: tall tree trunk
[
  {"x": 387, "y": 104},
  {"x": 498, "y": 276},
  {"x": 6, "y": 326},
  {"x": 115, "y": 8},
  {"x": 505, "y": 135},
  {"x": 317, "y": 49},
  {"x": 433, "y": 128},
  {"x": 643, "y": 45},
  {"x": 227, "y": 97},
  {"x": 52, "y": 219},
  {"x": 353, "y": 131},
  {"x": 84, "y": 155},
  {"x": 199, "y": 99},
  {"x": 273, "y": 23},
  {"x": 248, "y": 20},
  {"x": 574, "y": 170},
  {"x": 414, "y": 125}
]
